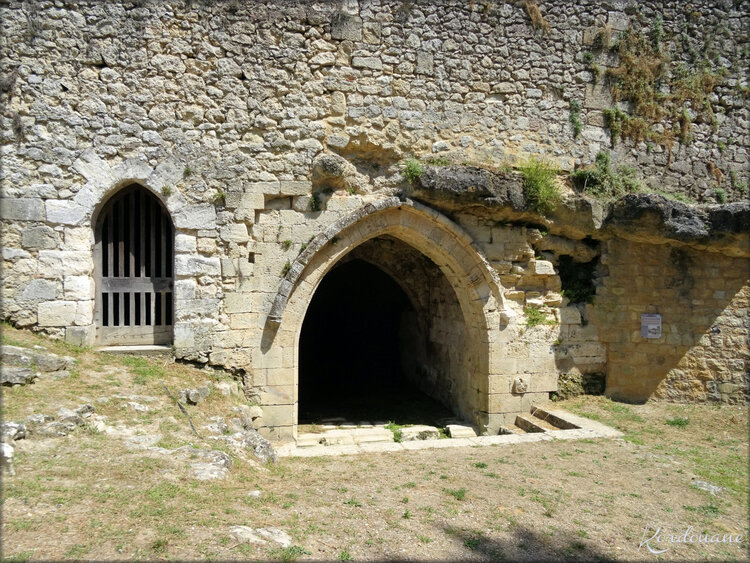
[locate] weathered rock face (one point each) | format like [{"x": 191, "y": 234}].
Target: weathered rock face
[{"x": 272, "y": 133}]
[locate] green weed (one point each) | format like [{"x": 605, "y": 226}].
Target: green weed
[
  {"x": 412, "y": 170},
  {"x": 540, "y": 186}
]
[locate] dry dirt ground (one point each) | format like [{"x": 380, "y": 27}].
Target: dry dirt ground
[{"x": 90, "y": 495}]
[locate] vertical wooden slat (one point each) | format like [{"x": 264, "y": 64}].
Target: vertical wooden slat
[
  {"x": 110, "y": 245},
  {"x": 131, "y": 233},
  {"x": 143, "y": 220},
  {"x": 152, "y": 308},
  {"x": 121, "y": 239},
  {"x": 163, "y": 240},
  {"x": 143, "y": 308},
  {"x": 152, "y": 240},
  {"x": 164, "y": 320}
]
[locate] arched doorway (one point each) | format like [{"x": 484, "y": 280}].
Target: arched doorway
[
  {"x": 383, "y": 339},
  {"x": 134, "y": 260}
]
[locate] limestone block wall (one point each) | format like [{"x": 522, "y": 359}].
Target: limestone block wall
[
  {"x": 703, "y": 354},
  {"x": 269, "y": 129}
]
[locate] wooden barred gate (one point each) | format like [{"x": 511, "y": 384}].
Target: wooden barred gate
[{"x": 134, "y": 257}]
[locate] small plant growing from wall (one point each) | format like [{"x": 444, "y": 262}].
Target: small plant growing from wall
[
  {"x": 720, "y": 195},
  {"x": 286, "y": 244},
  {"x": 602, "y": 182},
  {"x": 187, "y": 172},
  {"x": 535, "y": 15},
  {"x": 540, "y": 185},
  {"x": 535, "y": 317},
  {"x": 286, "y": 268},
  {"x": 658, "y": 91},
  {"x": 575, "y": 117},
  {"x": 412, "y": 170},
  {"x": 220, "y": 198},
  {"x": 314, "y": 202},
  {"x": 166, "y": 191}
]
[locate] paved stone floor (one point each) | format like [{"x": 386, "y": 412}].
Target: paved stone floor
[{"x": 348, "y": 439}]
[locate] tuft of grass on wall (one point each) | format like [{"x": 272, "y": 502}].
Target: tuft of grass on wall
[
  {"x": 540, "y": 185},
  {"x": 412, "y": 170},
  {"x": 603, "y": 182}
]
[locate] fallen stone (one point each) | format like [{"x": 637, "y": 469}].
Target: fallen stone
[
  {"x": 419, "y": 432},
  {"x": 245, "y": 534},
  {"x": 12, "y": 375},
  {"x": 708, "y": 487},
  {"x": 67, "y": 415},
  {"x": 194, "y": 396},
  {"x": 55, "y": 429},
  {"x": 460, "y": 431},
  {"x": 212, "y": 464},
  {"x": 137, "y": 406},
  {"x": 261, "y": 448},
  {"x": 13, "y": 431},
  {"x": 219, "y": 428},
  {"x": 85, "y": 410},
  {"x": 35, "y": 420}
]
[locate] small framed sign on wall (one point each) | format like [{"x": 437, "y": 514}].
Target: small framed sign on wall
[{"x": 651, "y": 325}]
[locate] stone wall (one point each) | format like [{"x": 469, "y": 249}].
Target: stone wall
[
  {"x": 270, "y": 129},
  {"x": 703, "y": 353}
]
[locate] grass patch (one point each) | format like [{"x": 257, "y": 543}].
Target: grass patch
[
  {"x": 679, "y": 421},
  {"x": 458, "y": 494},
  {"x": 288, "y": 553},
  {"x": 603, "y": 182},
  {"x": 535, "y": 317},
  {"x": 540, "y": 185},
  {"x": 412, "y": 170},
  {"x": 396, "y": 429}
]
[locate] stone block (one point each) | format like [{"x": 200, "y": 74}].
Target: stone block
[
  {"x": 196, "y": 266},
  {"x": 39, "y": 238},
  {"x": 570, "y": 316},
  {"x": 22, "y": 209},
  {"x": 346, "y": 28},
  {"x": 425, "y": 63},
  {"x": 598, "y": 96},
  {"x": 543, "y": 268},
  {"x": 199, "y": 216},
  {"x": 237, "y": 303},
  {"x": 184, "y": 243},
  {"x": 371, "y": 63},
  {"x": 40, "y": 290},
  {"x": 419, "y": 432},
  {"x": 65, "y": 212},
  {"x": 57, "y": 313},
  {"x": 78, "y": 288},
  {"x": 64, "y": 262},
  {"x": 460, "y": 431},
  {"x": 295, "y": 188},
  {"x": 279, "y": 415}
]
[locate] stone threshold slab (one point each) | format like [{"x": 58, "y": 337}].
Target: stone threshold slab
[{"x": 586, "y": 429}]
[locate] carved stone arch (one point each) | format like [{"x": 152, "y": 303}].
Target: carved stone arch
[{"x": 468, "y": 272}]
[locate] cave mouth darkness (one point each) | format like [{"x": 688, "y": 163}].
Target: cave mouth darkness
[{"x": 352, "y": 348}]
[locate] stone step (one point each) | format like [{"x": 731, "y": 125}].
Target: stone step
[
  {"x": 555, "y": 418},
  {"x": 309, "y": 439},
  {"x": 419, "y": 432},
  {"x": 137, "y": 350},
  {"x": 368, "y": 435},
  {"x": 460, "y": 431},
  {"x": 529, "y": 423}
]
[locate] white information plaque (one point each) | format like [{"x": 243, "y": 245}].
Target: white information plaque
[{"x": 651, "y": 326}]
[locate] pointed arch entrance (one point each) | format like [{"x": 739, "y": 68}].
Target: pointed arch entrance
[
  {"x": 134, "y": 261},
  {"x": 430, "y": 235}
]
